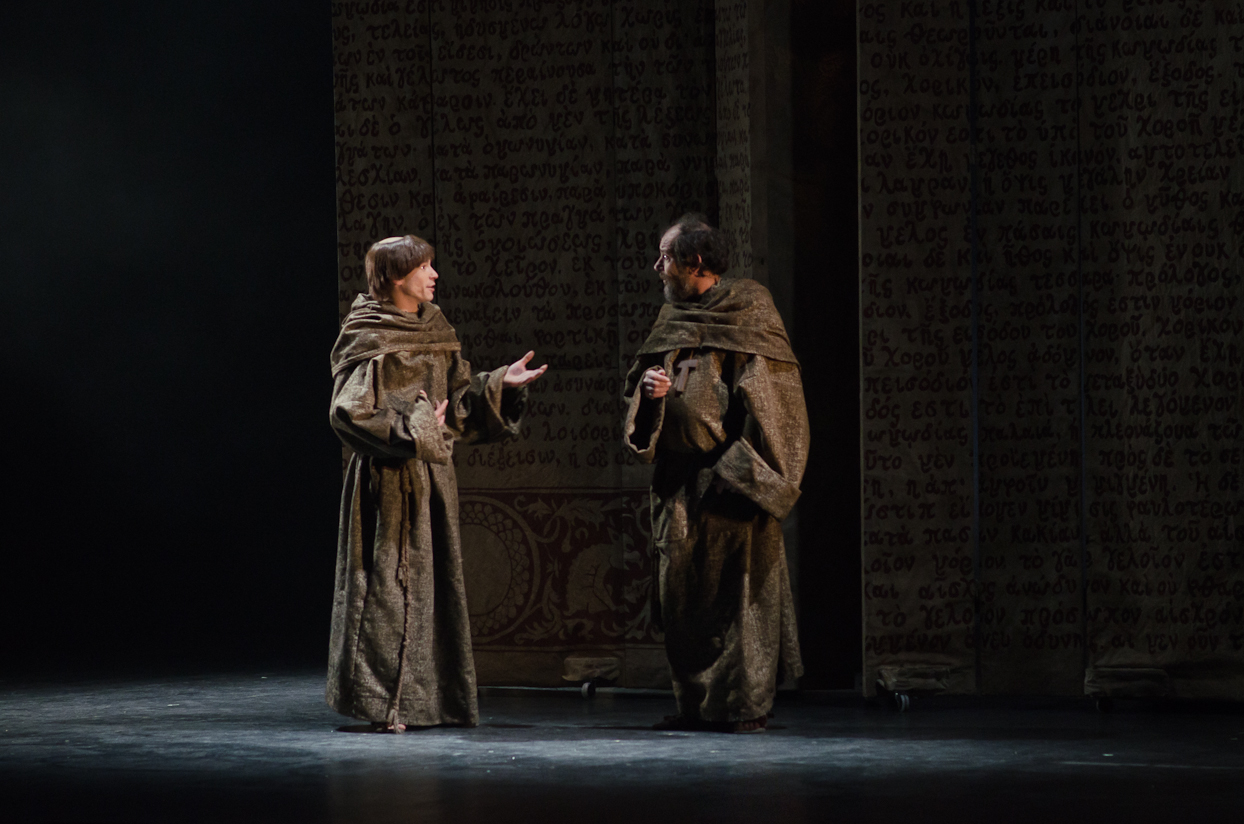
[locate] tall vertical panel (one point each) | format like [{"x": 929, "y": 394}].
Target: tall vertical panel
[
  {"x": 734, "y": 129},
  {"x": 525, "y": 186},
  {"x": 916, "y": 345},
  {"x": 524, "y": 194},
  {"x": 1162, "y": 120},
  {"x": 1106, "y": 200},
  {"x": 382, "y": 97},
  {"x": 663, "y": 137},
  {"x": 555, "y": 141},
  {"x": 660, "y": 138},
  {"x": 1028, "y": 344}
]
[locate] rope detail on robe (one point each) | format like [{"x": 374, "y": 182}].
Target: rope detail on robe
[{"x": 402, "y": 574}]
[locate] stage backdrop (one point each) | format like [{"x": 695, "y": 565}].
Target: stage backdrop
[
  {"x": 1051, "y": 211},
  {"x": 542, "y": 147}
]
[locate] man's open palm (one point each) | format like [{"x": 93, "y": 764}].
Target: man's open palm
[{"x": 519, "y": 375}]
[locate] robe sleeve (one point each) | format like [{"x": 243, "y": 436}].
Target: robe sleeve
[
  {"x": 373, "y": 418},
  {"x": 766, "y": 464},
  {"x": 482, "y": 410},
  {"x": 641, "y": 424}
]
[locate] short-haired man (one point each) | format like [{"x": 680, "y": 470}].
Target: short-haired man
[
  {"x": 400, "y": 646},
  {"x": 715, "y": 399}
]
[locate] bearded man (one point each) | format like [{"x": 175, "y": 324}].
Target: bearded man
[
  {"x": 400, "y": 646},
  {"x": 715, "y": 398}
]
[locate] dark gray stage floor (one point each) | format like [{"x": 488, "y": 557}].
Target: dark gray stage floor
[{"x": 255, "y": 748}]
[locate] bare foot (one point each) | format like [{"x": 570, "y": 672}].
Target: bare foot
[
  {"x": 385, "y": 726},
  {"x": 373, "y": 727},
  {"x": 750, "y": 725}
]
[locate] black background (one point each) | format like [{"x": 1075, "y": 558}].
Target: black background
[
  {"x": 167, "y": 231},
  {"x": 169, "y": 303}
]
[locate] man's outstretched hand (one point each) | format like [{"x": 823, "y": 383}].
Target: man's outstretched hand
[{"x": 519, "y": 375}]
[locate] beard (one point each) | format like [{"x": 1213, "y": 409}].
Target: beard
[{"x": 678, "y": 287}]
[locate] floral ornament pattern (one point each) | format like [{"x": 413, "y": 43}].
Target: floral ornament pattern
[
  {"x": 551, "y": 569},
  {"x": 499, "y": 564}
]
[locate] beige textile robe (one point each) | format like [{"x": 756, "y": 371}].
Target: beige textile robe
[
  {"x": 737, "y": 416},
  {"x": 400, "y": 646}
]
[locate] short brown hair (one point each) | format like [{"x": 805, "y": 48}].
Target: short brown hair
[{"x": 393, "y": 259}]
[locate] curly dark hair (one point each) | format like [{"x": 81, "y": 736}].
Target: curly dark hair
[{"x": 698, "y": 244}]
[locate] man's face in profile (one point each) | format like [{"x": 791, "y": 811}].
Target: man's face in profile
[{"x": 675, "y": 278}]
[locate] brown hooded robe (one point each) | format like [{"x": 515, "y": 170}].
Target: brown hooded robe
[
  {"x": 730, "y": 441},
  {"x": 400, "y": 647}
]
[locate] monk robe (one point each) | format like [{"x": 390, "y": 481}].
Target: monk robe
[
  {"x": 730, "y": 440},
  {"x": 400, "y": 648}
]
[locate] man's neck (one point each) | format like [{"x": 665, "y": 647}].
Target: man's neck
[
  {"x": 702, "y": 283},
  {"x": 405, "y": 302}
]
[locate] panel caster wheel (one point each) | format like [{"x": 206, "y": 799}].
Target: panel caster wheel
[
  {"x": 902, "y": 701},
  {"x": 588, "y": 689},
  {"x": 1105, "y": 704}
]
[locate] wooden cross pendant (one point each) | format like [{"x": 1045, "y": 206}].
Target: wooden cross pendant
[{"x": 684, "y": 368}]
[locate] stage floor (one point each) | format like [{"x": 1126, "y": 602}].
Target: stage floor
[{"x": 264, "y": 747}]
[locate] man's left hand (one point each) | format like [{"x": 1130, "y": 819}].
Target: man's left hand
[{"x": 519, "y": 375}]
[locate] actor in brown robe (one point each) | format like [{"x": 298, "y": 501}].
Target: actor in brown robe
[
  {"x": 400, "y": 648},
  {"x": 715, "y": 399}
]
